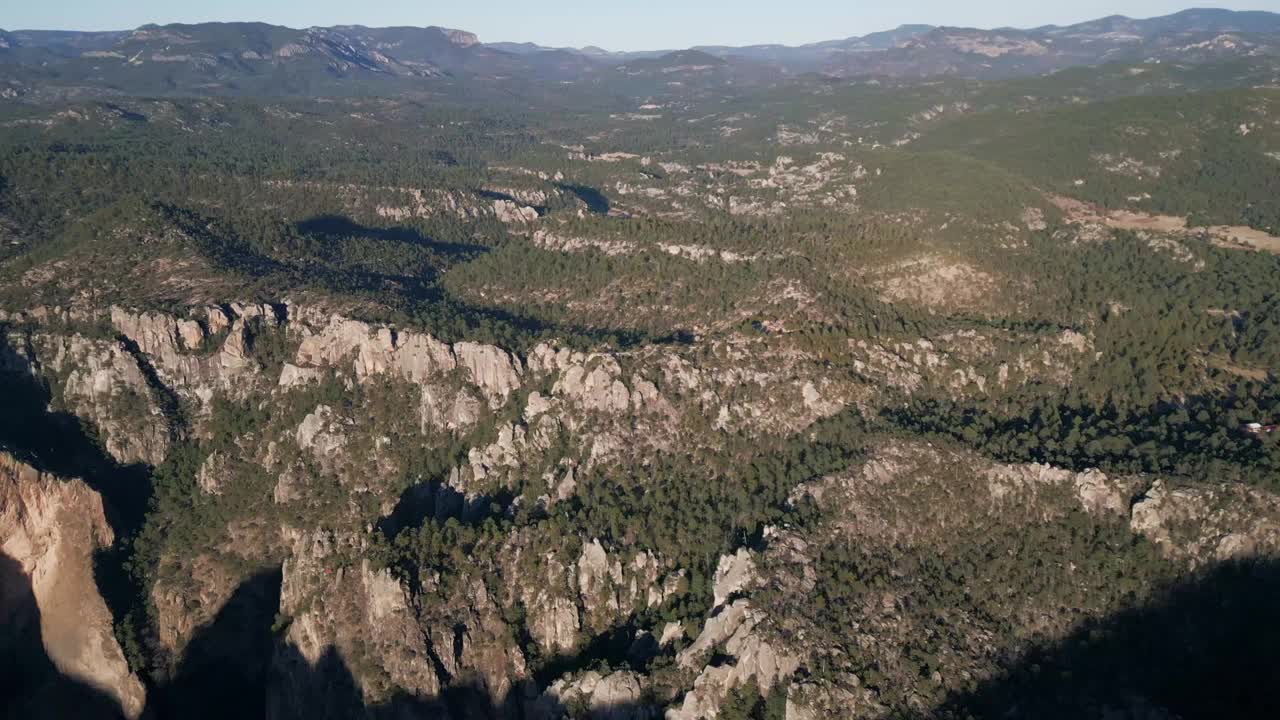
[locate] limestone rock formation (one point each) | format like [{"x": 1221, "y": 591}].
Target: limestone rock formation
[
  {"x": 102, "y": 383},
  {"x": 321, "y": 433},
  {"x": 738, "y": 632},
  {"x": 1208, "y": 523},
  {"x": 363, "y": 615},
  {"x": 512, "y": 213},
  {"x": 165, "y": 341},
  {"x": 615, "y": 696},
  {"x": 370, "y": 351},
  {"x": 733, "y": 573}
]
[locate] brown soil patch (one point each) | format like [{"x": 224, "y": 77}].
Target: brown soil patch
[
  {"x": 1244, "y": 238},
  {"x": 1225, "y": 236},
  {"x": 1248, "y": 373}
]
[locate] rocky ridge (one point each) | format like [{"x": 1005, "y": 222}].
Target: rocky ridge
[{"x": 336, "y": 601}]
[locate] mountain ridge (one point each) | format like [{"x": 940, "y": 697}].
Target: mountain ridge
[
  {"x": 1189, "y": 21},
  {"x": 1214, "y": 19}
]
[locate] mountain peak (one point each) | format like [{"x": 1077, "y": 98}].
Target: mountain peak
[{"x": 461, "y": 38}]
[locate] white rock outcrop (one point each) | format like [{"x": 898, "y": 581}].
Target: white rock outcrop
[
  {"x": 616, "y": 696},
  {"x": 370, "y": 351},
  {"x": 1208, "y": 523},
  {"x": 103, "y": 384},
  {"x": 733, "y": 573},
  {"x": 513, "y": 213},
  {"x": 1098, "y": 494},
  {"x": 737, "y": 632},
  {"x": 169, "y": 344},
  {"x": 354, "y": 609},
  {"x": 320, "y": 433}
]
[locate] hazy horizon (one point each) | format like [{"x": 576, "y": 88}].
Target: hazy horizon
[{"x": 660, "y": 24}]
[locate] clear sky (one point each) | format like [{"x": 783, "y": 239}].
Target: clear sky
[{"x": 612, "y": 24}]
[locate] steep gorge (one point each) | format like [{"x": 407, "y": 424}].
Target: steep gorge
[{"x": 328, "y": 555}]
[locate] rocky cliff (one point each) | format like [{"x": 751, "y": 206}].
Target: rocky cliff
[
  {"x": 415, "y": 510},
  {"x": 50, "y": 529}
]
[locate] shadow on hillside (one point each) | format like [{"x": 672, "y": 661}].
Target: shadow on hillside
[
  {"x": 318, "y": 256},
  {"x": 60, "y": 444},
  {"x": 340, "y": 227},
  {"x": 595, "y": 200},
  {"x": 328, "y": 690},
  {"x": 223, "y": 666},
  {"x": 436, "y": 501},
  {"x": 413, "y": 289},
  {"x": 620, "y": 646},
  {"x": 1206, "y": 649},
  {"x": 123, "y": 113},
  {"x": 236, "y": 666}
]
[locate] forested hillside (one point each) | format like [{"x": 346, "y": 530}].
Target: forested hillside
[{"x": 484, "y": 381}]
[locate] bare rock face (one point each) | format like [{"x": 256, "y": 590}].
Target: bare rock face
[
  {"x": 513, "y": 214},
  {"x": 608, "y": 587},
  {"x": 592, "y": 382},
  {"x": 361, "y": 614},
  {"x": 461, "y": 38},
  {"x": 191, "y": 334},
  {"x": 443, "y": 409},
  {"x": 371, "y": 351},
  {"x": 598, "y": 577},
  {"x": 796, "y": 711},
  {"x": 212, "y": 474},
  {"x": 349, "y": 619},
  {"x": 546, "y": 589},
  {"x": 733, "y": 573},
  {"x": 555, "y": 623},
  {"x": 293, "y": 376},
  {"x": 716, "y": 630},
  {"x": 590, "y": 392},
  {"x": 567, "y": 600},
  {"x": 472, "y": 640},
  {"x": 183, "y": 607},
  {"x": 496, "y": 371},
  {"x": 322, "y": 434},
  {"x": 597, "y": 389},
  {"x": 616, "y": 696},
  {"x": 1098, "y": 494},
  {"x": 49, "y": 528},
  {"x": 338, "y": 342},
  {"x": 503, "y": 454},
  {"x": 1208, "y": 523},
  {"x": 103, "y": 384},
  {"x": 736, "y": 631},
  {"x": 671, "y": 632},
  {"x": 169, "y": 343}
]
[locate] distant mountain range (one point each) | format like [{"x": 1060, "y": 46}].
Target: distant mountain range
[{"x": 261, "y": 58}]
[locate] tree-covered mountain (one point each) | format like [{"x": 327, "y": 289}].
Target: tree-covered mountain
[
  {"x": 257, "y": 59},
  {"x": 366, "y": 373}
]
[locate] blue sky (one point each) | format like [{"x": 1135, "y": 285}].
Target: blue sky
[{"x": 613, "y": 24}]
